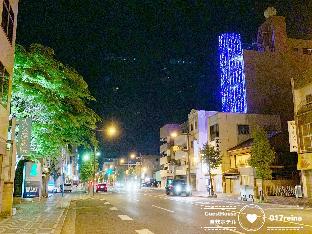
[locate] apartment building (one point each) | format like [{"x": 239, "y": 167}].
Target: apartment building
[
  {"x": 167, "y": 166},
  {"x": 8, "y": 11},
  {"x": 227, "y": 130}
]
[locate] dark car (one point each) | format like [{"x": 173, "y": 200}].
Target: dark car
[
  {"x": 178, "y": 187},
  {"x": 101, "y": 187}
]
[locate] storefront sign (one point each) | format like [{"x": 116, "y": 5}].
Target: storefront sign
[
  {"x": 32, "y": 179},
  {"x": 304, "y": 161}
]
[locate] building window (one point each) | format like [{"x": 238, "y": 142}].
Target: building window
[
  {"x": 245, "y": 180},
  {"x": 4, "y": 86},
  {"x": 192, "y": 128},
  {"x": 307, "y": 51},
  {"x": 309, "y": 98},
  {"x": 243, "y": 129},
  {"x": 306, "y": 137},
  {"x": 296, "y": 50},
  {"x": 214, "y": 131},
  {"x": 196, "y": 125},
  {"x": 7, "y": 20}
]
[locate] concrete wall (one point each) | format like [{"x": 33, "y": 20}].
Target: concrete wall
[{"x": 7, "y": 59}]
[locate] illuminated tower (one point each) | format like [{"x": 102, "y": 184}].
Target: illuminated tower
[{"x": 233, "y": 89}]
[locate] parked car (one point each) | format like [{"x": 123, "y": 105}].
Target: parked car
[
  {"x": 101, "y": 187},
  {"x": 67, "y": 187},
  {"x": 178, "y": 188}
]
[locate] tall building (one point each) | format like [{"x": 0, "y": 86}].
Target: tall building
[
  {"x": 8, "y": 11},
  {"x": 264, "y": 74}
]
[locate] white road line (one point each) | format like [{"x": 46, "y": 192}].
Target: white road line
[
  {"x": 171, "y": 211},
  {"x": 113, "y": 208},
  {"x": 106, "y": 203},
  {"x": 124, "y": 217},
  {"x": 144, "y": 231}
]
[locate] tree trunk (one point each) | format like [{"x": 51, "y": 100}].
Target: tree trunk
[{"x": 45, "y": 180}]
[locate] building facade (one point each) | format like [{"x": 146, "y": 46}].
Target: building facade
[
  {"x": 302, "y": 88},
  {"x": 166, "y": 161},
  {"x": 270, "y": 67},
  {"x": 226, "y": 130},
  {"x": 8, "y": 14},
  {"x": 243, "y": 177}
]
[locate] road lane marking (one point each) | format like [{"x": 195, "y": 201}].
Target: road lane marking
[
  {"x": 106, "y": 203},
  {"x": 144, "y": 231},
  {"x": 124, "y": 217},
  {"x": 113, "y": 208},
  {"x": 171, "y": 211}
]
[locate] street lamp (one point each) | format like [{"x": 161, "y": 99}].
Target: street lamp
[
  {"x": 86, "y": 157},
  {"x": 111, "y": 131}
]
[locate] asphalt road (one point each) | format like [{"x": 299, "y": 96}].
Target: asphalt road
[{"x": 151, "y": 211}]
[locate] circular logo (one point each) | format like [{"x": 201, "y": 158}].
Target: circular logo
[{"x": 251, "y": 218}]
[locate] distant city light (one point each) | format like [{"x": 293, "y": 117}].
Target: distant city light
[{"x": 233, "y": 89}]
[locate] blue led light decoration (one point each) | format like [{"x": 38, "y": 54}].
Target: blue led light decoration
[{"x": 233, "y": 89}]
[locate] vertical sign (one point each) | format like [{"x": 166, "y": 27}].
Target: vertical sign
[
  {"x": 292, "y": 136},
  {"x": 23, "y": 136}
]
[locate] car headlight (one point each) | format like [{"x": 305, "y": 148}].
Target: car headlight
[{"x": 178, "y": 188}]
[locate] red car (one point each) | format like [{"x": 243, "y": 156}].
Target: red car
[{"x": 101, "y": 187}]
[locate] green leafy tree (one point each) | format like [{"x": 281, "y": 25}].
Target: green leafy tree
[
  {"x": 56, "y": 98},
  {"x": 87, "y": 169},
  {"x": 262, "y": 155},
  {"x": 213, "y": 158}
]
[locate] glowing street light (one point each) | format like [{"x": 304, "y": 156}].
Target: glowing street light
[
  {"x": 122, "y": 161},
  {"x": 111, "y": 130},
  {"x": 86, "y": 157},
  {"x": 98, "y": 153},
  {"x": 132, "y": 156}
]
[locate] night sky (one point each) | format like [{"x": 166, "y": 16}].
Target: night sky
[{"x": 149, "y": 62}]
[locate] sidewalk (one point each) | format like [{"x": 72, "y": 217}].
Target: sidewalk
[
  {"x": 42, "y": 216},
  {"x": 287, "y": 201}
]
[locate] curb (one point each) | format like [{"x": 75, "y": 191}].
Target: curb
[{"x": 60, "y": 223}]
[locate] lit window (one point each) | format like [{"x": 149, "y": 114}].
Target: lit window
[
  {"x": 7, "y": 20},
  {"x": 243, "y": 129}
]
